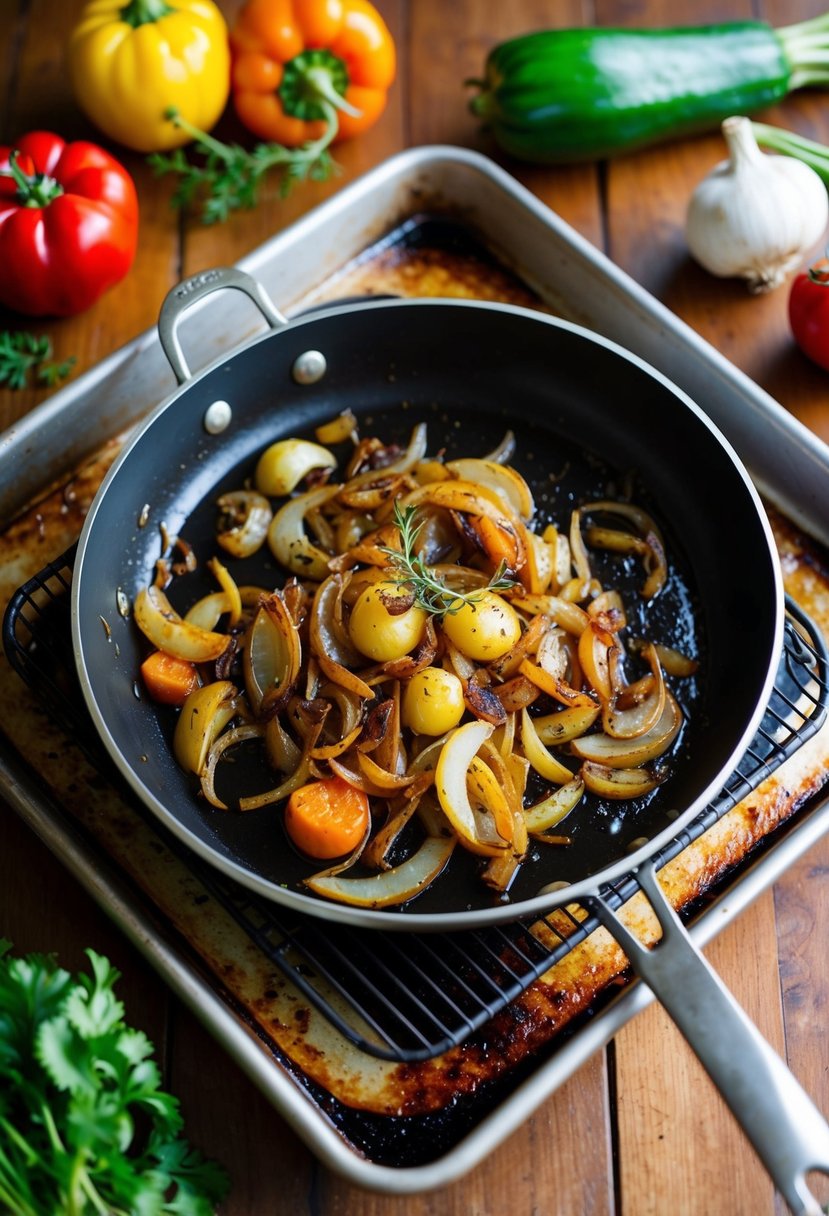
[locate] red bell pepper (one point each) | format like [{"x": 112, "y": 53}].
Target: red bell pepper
[{"x": 68, "y": 224}]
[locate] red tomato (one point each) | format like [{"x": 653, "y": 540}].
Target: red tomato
[
  {"x": 68, "y": 224},
  {"x": 809, "y": 312}
]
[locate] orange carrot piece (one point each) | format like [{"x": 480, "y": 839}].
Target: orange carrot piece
[
  {"x": 167, "y": 679},
  {"x": 327, "y": 818}
]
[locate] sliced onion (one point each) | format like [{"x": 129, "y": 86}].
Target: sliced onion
[
  {"x": 456, "y": 758},
  {"x": 505, "y": 481},
  {"x": 546, "y": 765},
  {"x": 243, "y": 523},
  {"x": 272, "y": 656},
  {"x": 528, "y": 643},
  {"x": 490, "y": 804},
  {"x": 329, "y": 635},
  {"x": 341, "y": 675},
  {"x": 649, "y": 543},
  {"x": 632, "y": 753},
  {"x": 287, "y": 538},
  {"x": 158, "y": 621},
  {"x": 415, "y": 452},
  {"x": 228, "y": 585},
  {"x": 517, "y": 693},
  {"x": 550, "y": 811},
  {"x": 377, "y": 850},
  {"x": 595, "y": 648},
  {"x": 500, "y": 871},
  {"x": 231, "y": 738},
  {"x": 619, "y": 782},
  {"x": 381, "y": 778},
  {"x": 565, "y": 724},
  {"x": 504, "y": 451},
  {"x": 562, "y": 612},
  {"x": 204, "y": 715},
  {"x": 208, "y": 611},
  {"x": 578, "y": 550},
  {"x": 282, "y": 466},
  {"x": 557, "y": 688},
  {"x": 539, "y": 569},
  {"x": 641, "y": 716},
  {"x": 395, "y": 886},
  {"x": 282, "y": 752},
  {"x": 343, "y": 427}
]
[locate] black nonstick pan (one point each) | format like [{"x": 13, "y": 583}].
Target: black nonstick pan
[{"x": 588, "y": 418}]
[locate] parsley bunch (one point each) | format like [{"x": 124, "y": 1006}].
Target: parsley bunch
[{"x": 85, "y": 1129}]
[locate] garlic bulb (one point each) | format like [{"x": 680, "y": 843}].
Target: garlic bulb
[{"x": 755, "y": 216}]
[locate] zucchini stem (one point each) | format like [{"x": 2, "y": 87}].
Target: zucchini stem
[
  {"x": 813, "y": 154},
  {"x": 806, "y": 48}
]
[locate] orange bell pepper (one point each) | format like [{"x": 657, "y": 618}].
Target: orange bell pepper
[{"x": 310, "y": 70}]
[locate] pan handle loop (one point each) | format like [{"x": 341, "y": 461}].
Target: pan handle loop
[
  {"x": 788, "y": 1131},
  {"x": 181, "y": 298}
]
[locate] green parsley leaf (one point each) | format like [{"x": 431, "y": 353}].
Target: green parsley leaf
[
  {"x": 76, "y": 1084},
  {"x": 24, "y": 355}
]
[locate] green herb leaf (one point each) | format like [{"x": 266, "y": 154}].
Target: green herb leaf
[
  {"x": 228, "y": 176},
  {"x": 430, "y": 590},
  {"x": 74, "y": 1082},
  {"x": 24, "y": 355}
]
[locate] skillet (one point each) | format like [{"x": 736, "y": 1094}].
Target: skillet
[{"x": 586, "y": 415}]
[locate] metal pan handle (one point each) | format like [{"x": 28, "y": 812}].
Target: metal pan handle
[
  {"x": 788, "y": 1131},
  {"x": 184, "y": 295}
]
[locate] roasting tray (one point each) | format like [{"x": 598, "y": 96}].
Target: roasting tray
[{"x": 310, "y": 261}]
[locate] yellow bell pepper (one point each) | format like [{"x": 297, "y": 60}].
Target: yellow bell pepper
[{"x": 132, "y": 60}]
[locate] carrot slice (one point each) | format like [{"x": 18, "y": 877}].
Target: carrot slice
[
  {"x": 327, "y": 818},
  {"x": 167, "y": 679}
]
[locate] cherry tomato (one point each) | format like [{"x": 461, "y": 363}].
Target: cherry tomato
[{"x": 809, "y": 312}]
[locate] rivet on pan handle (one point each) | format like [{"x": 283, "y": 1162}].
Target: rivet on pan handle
[
  {"x": 788, "y": 1131},
  {"x": 182, "y": 297}
]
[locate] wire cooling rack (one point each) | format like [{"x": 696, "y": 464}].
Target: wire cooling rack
[{"x": 409, "y": 998}]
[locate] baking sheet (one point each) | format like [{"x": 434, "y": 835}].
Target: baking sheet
[{"x": 563, "y": 268}]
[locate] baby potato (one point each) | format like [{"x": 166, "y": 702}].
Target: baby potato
[
  {"x": 379, "y": 634},
  {"x": 483, "y": 628},
  {"x": 433, "y": 702}
]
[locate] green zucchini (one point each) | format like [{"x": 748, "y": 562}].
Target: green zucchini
[{"x": 586, "y": 94}]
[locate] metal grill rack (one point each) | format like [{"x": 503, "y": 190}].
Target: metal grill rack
[{"x": 410, "y": 999}]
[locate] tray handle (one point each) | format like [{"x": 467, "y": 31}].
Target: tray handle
[
  {"x": 787, "y": 1130},
  {"x": 181, "y": 298}
]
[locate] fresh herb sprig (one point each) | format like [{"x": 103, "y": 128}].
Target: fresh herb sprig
[
  {"x": 25, "y": 356},
  {"x": 429, "y": 589},
  {"x": 229, "y": 176},
  {"x": 76, "y": 1085}
]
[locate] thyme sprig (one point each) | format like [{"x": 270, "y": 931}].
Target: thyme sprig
[{"x": 429, "y": 589}]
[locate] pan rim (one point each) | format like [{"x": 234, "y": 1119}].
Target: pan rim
[{"x": 395, "y": 919}]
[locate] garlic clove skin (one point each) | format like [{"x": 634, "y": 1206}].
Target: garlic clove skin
[{"x": 755, "y": 216}]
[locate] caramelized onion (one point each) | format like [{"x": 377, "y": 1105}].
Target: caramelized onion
[
  {"x": 157, "y": 619},
  {"x": 390, "y": 887},
  {"x": 272, "y": 656},
  {"x": 244, "y": 519}
]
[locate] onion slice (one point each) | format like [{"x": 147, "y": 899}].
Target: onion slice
[
  {"x": 395, "y": 886},
  {"x": 204, "y": 715},
  {"x": 287, "y": 538},
  {"x": 272, "y": 656},
  {"x": 244, "y": 519},
  {"x": 451, "y": 781},
  {"x": 619, "y": 782},
  {"x": 545, "y": 765},
  {"x": 550, "y": 811},
  {"x": 632, "y": 753},
  {"x": 159, "y": 621}
]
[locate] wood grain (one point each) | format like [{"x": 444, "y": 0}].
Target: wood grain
[{"x": 638, "y": 1130}]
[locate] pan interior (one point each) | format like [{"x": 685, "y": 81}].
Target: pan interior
[{"x": 589, "y": 423}]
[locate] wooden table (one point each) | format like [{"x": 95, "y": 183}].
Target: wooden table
[{"x": 638, "y": 1130}]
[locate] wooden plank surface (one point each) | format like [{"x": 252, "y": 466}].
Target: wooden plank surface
[{"x": 639, "y": 1129}]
